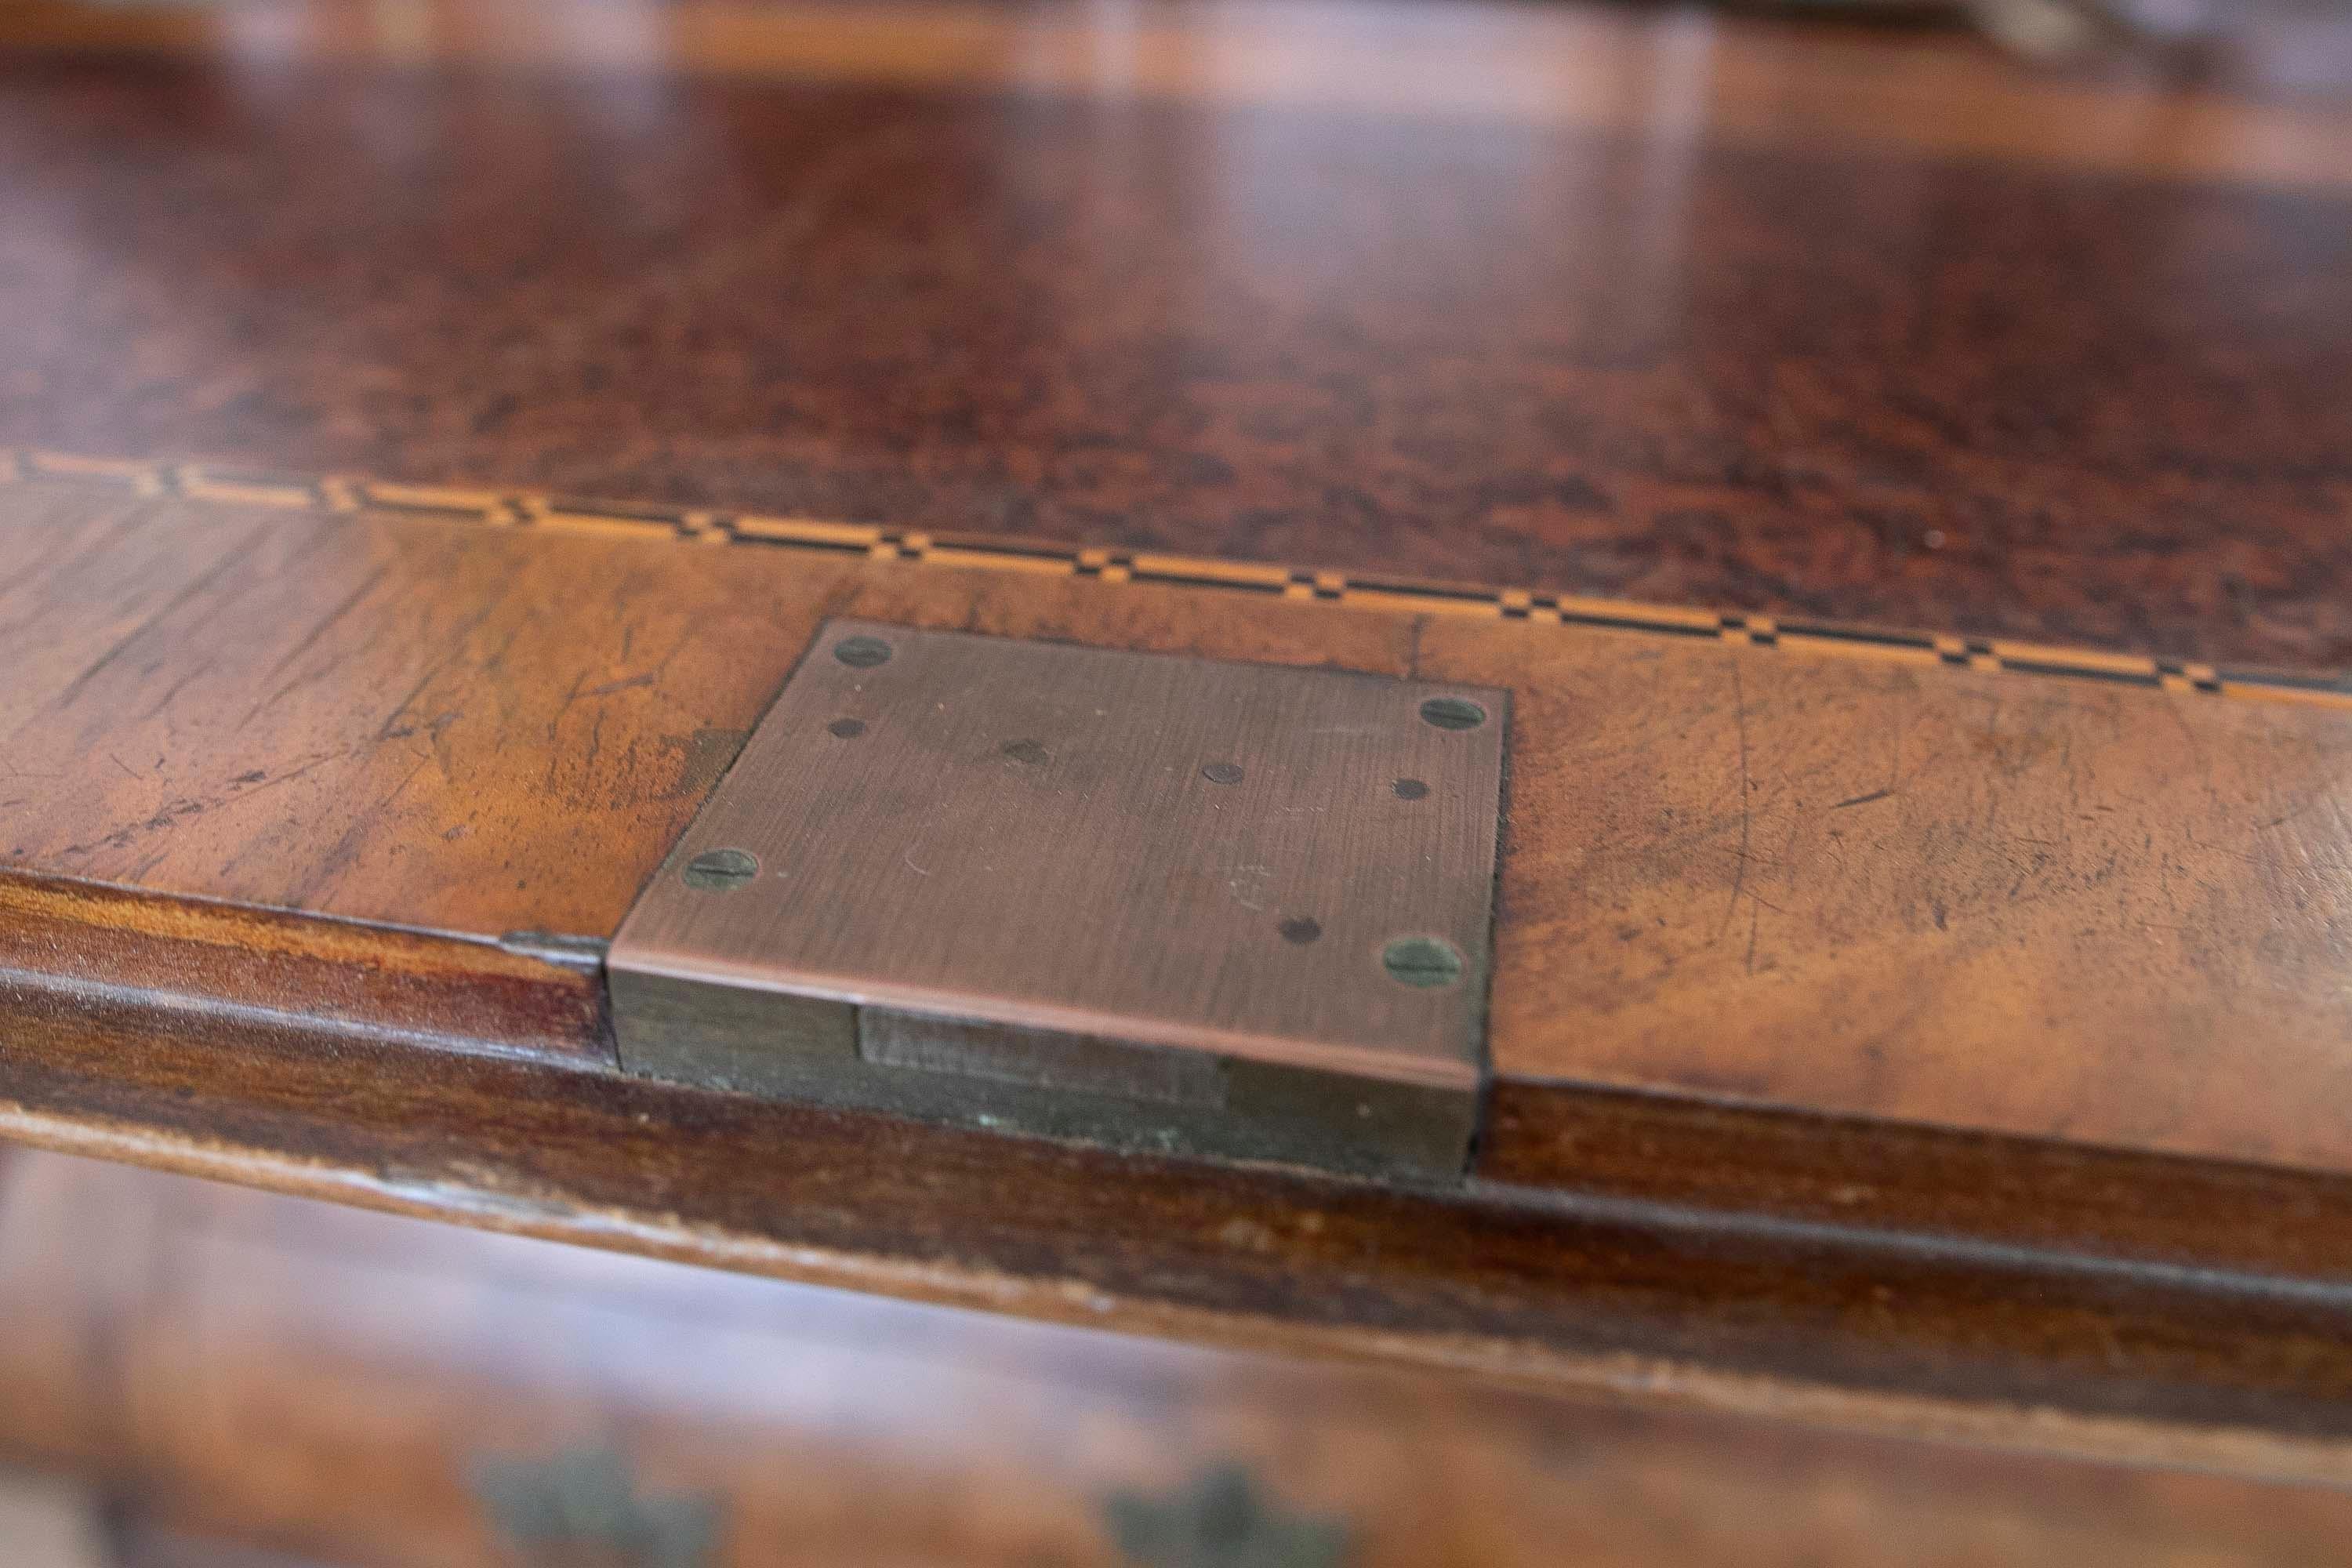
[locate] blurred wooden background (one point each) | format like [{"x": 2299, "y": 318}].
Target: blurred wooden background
[{"x": 215, "y": 1366}]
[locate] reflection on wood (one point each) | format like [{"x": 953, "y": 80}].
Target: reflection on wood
[{"x": 1634, "y": 302}]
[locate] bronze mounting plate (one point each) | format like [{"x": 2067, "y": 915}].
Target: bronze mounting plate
[{"x": 1175, "y": 903}]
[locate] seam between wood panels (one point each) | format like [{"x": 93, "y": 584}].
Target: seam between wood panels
[{"x": 502, "y": 508}]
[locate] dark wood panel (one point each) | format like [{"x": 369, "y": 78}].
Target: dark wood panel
[{"x": 1827, "y": 324}]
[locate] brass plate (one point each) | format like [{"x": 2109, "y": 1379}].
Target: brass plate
[{"x": 1183, "y": 904}]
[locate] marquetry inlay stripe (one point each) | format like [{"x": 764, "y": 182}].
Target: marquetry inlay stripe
[{"x": 522, "y": 509}]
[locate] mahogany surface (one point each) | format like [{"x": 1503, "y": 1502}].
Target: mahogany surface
[
  {"x": 1935, "y": 1028},
  {"x": 1825, "y": 875},
  {"x": 428, "y": 791},
  {"x": 1878, "y": 326}
]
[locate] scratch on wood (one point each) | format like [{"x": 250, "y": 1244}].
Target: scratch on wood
[{"x": 1746, "y": 822}]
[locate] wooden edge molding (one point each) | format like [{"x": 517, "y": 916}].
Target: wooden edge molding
[
  {"x": 1852, "y": 1273},
  {"x": 535, "y": 996},
  {"x": 2071, "y": 1205},
  {"x": 508, "y": 508},
  {"x": 1825, "y": 1323},
  {"x": 539, "y": 999}
]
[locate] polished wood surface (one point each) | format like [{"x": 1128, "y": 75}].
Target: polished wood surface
[
  {"x": 1871, "y": 325},
  {"x": 267, "y": 1370},
  {"x": 2122, "y": 1239},
  {"x": 1841, "y": 876},
  {"x": 1939, "y": 1027}
]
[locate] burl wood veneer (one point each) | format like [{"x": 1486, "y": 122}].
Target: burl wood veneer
[{"x": 1637, "y": 301}]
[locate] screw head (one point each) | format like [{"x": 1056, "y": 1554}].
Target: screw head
[
  {"x": 721, "y": 870},
  {"x": 1222, "y": 773},
  {"x": 862, "y": 652},
  {"x": 1424, "y": 962},
  {"x": 847, "y": 729},
  {"x": 1453, "y": 713},
  {"x": 1410, "y": 789},
  {"x": 1301, "y": 929}
]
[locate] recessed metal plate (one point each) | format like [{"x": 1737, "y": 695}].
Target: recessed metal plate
[{"x": 1175, "y": 903}]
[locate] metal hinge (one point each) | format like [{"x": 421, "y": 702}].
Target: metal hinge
[{"x": 1172, "y": 904}]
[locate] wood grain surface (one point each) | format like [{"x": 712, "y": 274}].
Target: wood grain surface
[
  {"x": 320, "y": 1379},
  {"x": 1843, "y": 876},
  {"x": 1940, "y": 1029},
  {"x": 1642, "y": 303},
  {"x": 2125, "y": 1239}
]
